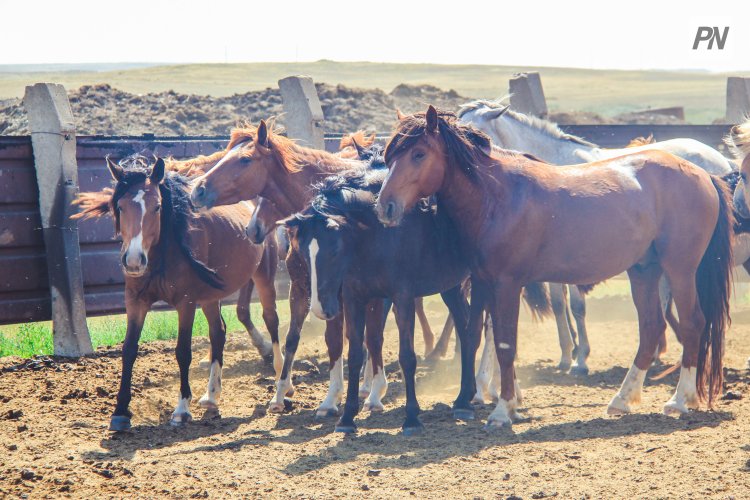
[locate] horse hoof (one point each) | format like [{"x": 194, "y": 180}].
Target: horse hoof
[
  {"x": 580, "y": 370},
  {"x": 180, "y": 419},
  {"x": 346, "y": 428},
  {"x": 276, "y": 407},
  {"x": 373, "y": 407},
  {"x": 493, "y": 425},
  {"x": 615, "y": 411},
  {"x": 119, "y": 423},
  {"x": 326, "y": 413},
  {"x": 207, "y": 404},
  {"x": 675, "y": 409},
  {"x": 290, "y": 392},
  {"x": 204, "y": 363},
  {"x": 563, "y": 366},
  {"x": 463, "y": 414},
  {"x": 415, "y": 430},
  {"x": 267, "y": 358}
]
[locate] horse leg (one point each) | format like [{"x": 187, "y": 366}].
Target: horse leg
[
  {"x": 408, "y": 361},
  {"x": 374, "y": 326},
  {"x": 217, "y": 333},
  {"x": 184, "y": 355},
  {"x": 486, "y": 368},
  {"x": 299, "y": 305},
  {"x": 259, "y": 341},
  {"x": 644, "y": 286},
  {"x": 427, "y": 335},
  {"x": 691, "y": 325},
  {"x": 264, "y": 280},
  {"x": 334, "y": 337},
  {"x": 578, "y": 307},
  {"x": 559, "y": 301},
  {"x": 469, "y": 339},
  {"x": 354, "y": 313},
  {"x": 441, "y": 348},
  {"x": 504, "y": 307},
  {"x": 136, "y": 313}
]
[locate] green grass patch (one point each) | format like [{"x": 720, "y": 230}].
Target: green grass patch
[{"x": 33, "y": 339}]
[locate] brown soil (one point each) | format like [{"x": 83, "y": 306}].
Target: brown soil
[
  {"x": 54, "y": 416},
  {"x": 103, "y": 110}
]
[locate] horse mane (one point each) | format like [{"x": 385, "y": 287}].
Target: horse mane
[
  {"x": 195, "y": 166},
  {"x": 738, "y": 140},
  {"x": 285, "y": 150},
  {"x": 641, "y": 141},
  {"x": 176, "y": 214},
  {"x": 362, "y": 140},
  {"x": 467, "y": 146},
  {"x": 550, "y": 128}
]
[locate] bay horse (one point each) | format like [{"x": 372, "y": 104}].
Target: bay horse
[
  {"x": 169, "y": 253},
  {"x": 544, "y": 139},
  {"x": 259, "y": 162},
  {"x": 522, "y": 220}
]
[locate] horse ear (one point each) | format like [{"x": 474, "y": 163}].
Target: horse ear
[
  {"x": 496, "y": 112},
  {"x": 360, "y": 150},
  {"x": 400, "y": 115},
  {"x": 262, "y": 138},
  {"x": 432, "y": 119},
  {"x": 157, "y": 174},
  {"x": 116, "y": 170}
]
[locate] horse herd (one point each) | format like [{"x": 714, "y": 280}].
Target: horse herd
[{"x": 474, "y": 204}]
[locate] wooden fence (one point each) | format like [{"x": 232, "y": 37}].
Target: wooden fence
[{"x": 51, "y": 268}]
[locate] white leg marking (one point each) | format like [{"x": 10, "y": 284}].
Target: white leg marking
[
  {"x": 503, "y": 345},
  {"x": 213, "y": 392},
  {"x": 315, "y": 305},
  {"x": 181, "y": 414},
  {"x": 329, "y": 406},
  {"x": 629, "y": 393},
  {"x": 364, "y": 389},
  {"x": 484, "y": 373},
  {"x": 379, "y": 388},
  {"x": 283, "y": 386},
  {"x": 686, "y": 395},
  {"x": 519, "y": 394},
  {"x": 503, "y": 414}
]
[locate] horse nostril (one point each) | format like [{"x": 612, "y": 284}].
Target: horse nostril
[
  {"x": 200, "y": 191},
  {"x": 124, "y": 260},
  {"x": 143, "y": 260},
  {"x": 390, "y": 209}
]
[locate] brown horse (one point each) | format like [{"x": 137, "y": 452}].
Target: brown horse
[
  {"x": 167, "y": 254},
  {"x": 260, "y": 162},
  {"x": 648, "y": 213}
]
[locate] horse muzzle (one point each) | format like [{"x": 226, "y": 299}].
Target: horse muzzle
[
  {"x": 134, "y": 266},
  {"x": 201, "y": 197},
  {"x": 255, "y": 233},
  {"x": 390, "y": 213}
]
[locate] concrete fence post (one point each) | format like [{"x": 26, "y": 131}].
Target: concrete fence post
[
  {"x": 527, "y": 94},
  {"x": 303, "y": 115},
  {"x": 53, "y": 139},
  {"x": 738, "y": 99}
]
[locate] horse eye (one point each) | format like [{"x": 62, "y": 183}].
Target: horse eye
[
  {"x": 158, "y": 208},
  {"x": 418, "y": 155},
  {"x": 245, "y": 160}
]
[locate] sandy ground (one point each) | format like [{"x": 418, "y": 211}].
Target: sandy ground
[{"x": 59, "y": 444}]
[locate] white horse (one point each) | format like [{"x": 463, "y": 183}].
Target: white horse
[{"x": 512, "y": 130}]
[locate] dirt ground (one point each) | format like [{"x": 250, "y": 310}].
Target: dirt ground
[{"x": 54, "y": 416}]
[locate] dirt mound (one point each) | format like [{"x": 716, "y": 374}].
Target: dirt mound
[{"x": 103, "y": 110}]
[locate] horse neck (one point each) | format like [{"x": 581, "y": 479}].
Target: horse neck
[
  {"x": 465, "y": 202},
  {"x": 291, "y": 192},
  {"x": 539, "y": 142}
]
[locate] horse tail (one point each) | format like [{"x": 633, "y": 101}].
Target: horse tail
[
  {"x": 537, "y": 298},
  {"x": 714, "y": 280}
]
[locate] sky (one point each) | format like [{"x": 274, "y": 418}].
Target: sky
[{"x": 625, "y": 34}]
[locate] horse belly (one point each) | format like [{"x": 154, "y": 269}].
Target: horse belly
[{"x": 588, "y": 246}]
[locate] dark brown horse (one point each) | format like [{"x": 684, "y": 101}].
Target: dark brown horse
[
  {"x": 648, "y": 213},
  {"x": 169, "y": 253},
  {"x": 260, "y": 162}
]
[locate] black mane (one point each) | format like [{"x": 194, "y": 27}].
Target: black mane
[
  {"x": 177, "y": 216},
  {"x": 466, "y": 145}
]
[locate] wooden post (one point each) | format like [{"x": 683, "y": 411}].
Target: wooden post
[
  {"x": 303, "y": 115},
  {"x": 53, "y": 139},
  {"x": 738, "y": 99},
  {"x": 527, "y": 94}
]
